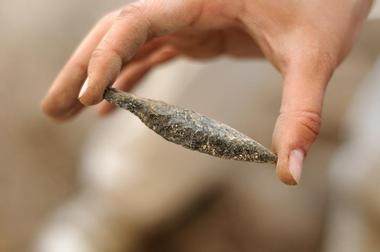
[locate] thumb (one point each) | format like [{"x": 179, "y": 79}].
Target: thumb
[{"x": 299, "y": 121}]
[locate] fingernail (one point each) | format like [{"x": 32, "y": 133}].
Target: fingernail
[
  {"x": 295, "y": 164},
  {"x": 84, "y": 88}
]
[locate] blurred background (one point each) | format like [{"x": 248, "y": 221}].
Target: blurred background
[{"x": 53, "y": 174}]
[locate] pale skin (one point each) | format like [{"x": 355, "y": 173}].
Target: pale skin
[{"x": 304, "y": 39}]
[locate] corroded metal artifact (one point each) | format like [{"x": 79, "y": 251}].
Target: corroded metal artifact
[{"x": 192, "y": 130}]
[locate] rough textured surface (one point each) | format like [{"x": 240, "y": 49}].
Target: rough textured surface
[{"x": 192, "y": 130}]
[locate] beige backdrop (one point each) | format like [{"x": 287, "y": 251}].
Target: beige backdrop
[{"x": 39, "y": 158}]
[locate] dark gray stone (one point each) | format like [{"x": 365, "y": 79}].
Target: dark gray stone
[{"x": 192, "y": 130}]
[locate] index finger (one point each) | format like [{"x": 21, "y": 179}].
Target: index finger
[{"x": 136, "y": 23}]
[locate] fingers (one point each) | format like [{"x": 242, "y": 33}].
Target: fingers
[
  {"x": 131, "y": 29},
  {"x": 112, "y": 43},
  {"x": 299, "y": 121},
  {"x": 127, "y": 34},
  {"x": 61, "y": 101},
  {"x": 137, "y": 23},
  {"x": 136, "y": 70}
]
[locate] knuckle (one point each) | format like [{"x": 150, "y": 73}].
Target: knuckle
[
  {"x": 312, "y": 123},
  {"x": 136, "y": 8},
  {"x": 95, "y": 58},
  {"x": 137, "y": 13},
  {"x": 97, "y": 53},
  {"x": 309, "y": 120},
  {"x": 105, "y": 53}
]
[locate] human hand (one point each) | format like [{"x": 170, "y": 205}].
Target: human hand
[{"x": 304, "y": 40}]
